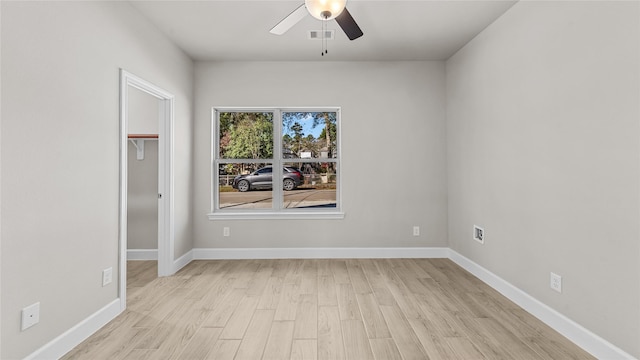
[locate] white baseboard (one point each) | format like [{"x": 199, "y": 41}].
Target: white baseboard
[
  {"x": 142, "y": 254},
  {"x": 318, "y": 253},
  {"x": 64, "y": 343},
  {"x": 182, "y": 261},
  {"x": 590, "y": 342}
]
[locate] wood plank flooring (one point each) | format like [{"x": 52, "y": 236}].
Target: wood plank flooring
[{"x": 380, "y": 309}]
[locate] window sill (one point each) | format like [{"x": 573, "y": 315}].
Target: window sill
[{"x": 336, "y": 215}]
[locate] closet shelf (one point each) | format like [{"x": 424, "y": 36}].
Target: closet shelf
[
  {"x": 143, "y": 136},
  {"x": 138, "y": 141}
]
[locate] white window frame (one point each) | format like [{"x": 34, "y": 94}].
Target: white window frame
[{"x": 277, "y": 212}]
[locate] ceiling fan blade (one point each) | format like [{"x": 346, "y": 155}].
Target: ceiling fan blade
[
  {"x": 292, "y": 19},
  {"x": 348, "y": 25}
]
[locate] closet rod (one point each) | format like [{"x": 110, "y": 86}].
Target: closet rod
[{"x": 143, "y": 136}]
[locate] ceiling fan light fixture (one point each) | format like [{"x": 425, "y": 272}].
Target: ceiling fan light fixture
[{"x": 325, "y": 9}]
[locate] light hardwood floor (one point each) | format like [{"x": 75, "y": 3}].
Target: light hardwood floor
[{"x": 320, "y": 309}]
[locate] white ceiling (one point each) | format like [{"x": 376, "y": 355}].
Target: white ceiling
[{"x": 219, "y": 30}]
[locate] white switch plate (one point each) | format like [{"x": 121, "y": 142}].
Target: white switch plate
[
  {"x": 416, "y": 231},
  {"x": 107, "y": 276},
  {"x": 556, "y": 282},
  {"x": 226, "y": 231},
  {"x": 30, "y": 316}
]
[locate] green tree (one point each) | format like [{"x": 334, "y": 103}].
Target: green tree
[
  {"x": 287, "y": 143},
  {"x": 297, "y": 138},
  {"x": 246, "y": 135},
  {"x": 328, "y": 119},
  {"x": 310, "y": 143},
  {"x": 332, "y": 138}
]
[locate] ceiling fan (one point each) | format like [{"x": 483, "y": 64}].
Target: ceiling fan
[{"x": 323, "y": 10}]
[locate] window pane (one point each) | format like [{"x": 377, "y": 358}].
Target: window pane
[
  {"x": 318, "y": 188},
  {"x": 246, "y": 135},
  {"x": 245, "y": 186},
  {"x": 309, "y": 135}
]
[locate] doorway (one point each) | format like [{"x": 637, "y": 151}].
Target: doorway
[
  {"x": 143, "y": 120},
  {"x": 146, "y": 176}
]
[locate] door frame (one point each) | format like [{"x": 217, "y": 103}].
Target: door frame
[{"x": 165, "y": 177}]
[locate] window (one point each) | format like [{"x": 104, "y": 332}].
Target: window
[{"x": 248, "y": 144}]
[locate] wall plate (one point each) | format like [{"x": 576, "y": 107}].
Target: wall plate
[
  {"x": 555, "y": 282},
  {"x": 30, "y": 316},
  {"x": 478, "y": 234}
]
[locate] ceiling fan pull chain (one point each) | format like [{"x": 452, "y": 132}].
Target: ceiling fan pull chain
[
  {"x": 324, "y": 32},
  {"x": 322, "y": 40},
  {"x": 324, "y": 25},
  {"x": 324, "y": 35}
]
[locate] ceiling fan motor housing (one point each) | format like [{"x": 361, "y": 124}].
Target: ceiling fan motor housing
[{"x": 325, "y": 9}]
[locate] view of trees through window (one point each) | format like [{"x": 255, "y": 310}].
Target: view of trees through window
[{"x": 245, "y": 159}]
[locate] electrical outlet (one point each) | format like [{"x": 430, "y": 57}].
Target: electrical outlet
[
  {"x": 416, "y": 231},
  {"x": 226, "y": 231},
  {"x": 107, "y": 276},
  {"x": 30, "y": 316},
  {"x": 556, "y": 282},
  {"x": 478, "y": 234}
]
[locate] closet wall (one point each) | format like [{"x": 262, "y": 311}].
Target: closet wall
[{"x": 142, "y": 204}]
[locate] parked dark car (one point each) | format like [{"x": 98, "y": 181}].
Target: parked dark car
[{"x": 262, "y": 179}]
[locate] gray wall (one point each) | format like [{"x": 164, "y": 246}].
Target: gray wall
[
  {"x": 142, "y": 199},
  {"x": 542, "y": 135},
  {"x": 60, "y": 138},
  {"x": 393, "y": 150},
  {"x": 143, "y": 112}
]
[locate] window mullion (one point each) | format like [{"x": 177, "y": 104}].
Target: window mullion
[
  {"x": 277, "y": 160},
  {"x": 215, "y": 155}
]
